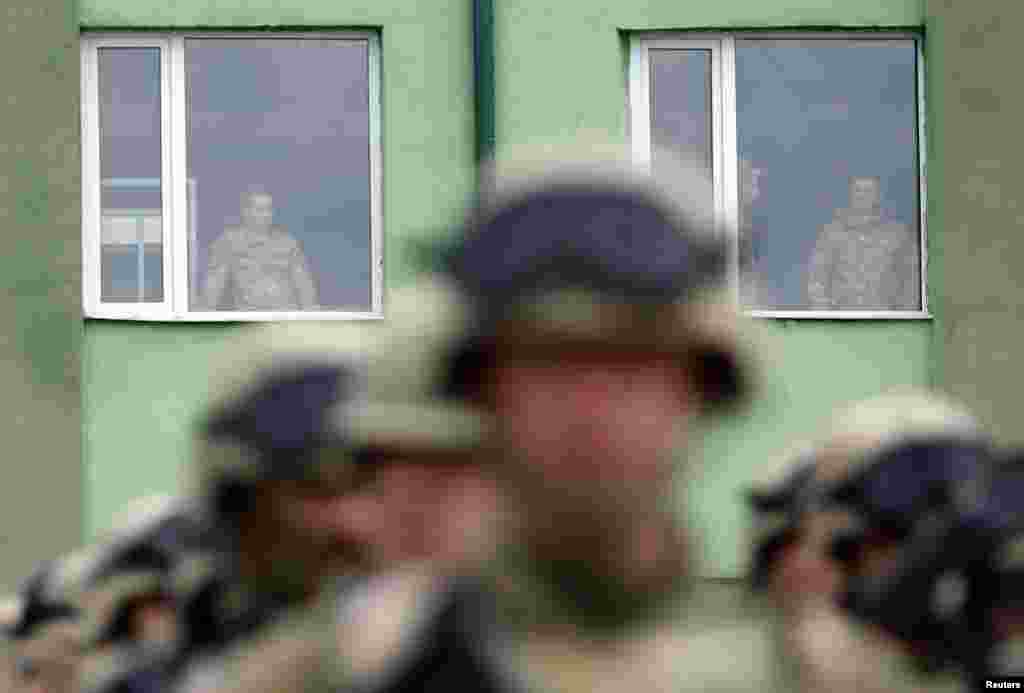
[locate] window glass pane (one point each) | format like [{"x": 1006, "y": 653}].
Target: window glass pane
[
  {"x": 279, "y": 174},
  {"x": 681, "y": 111},
  {"x": 827, "y": 138},
  {"x": 131, "y": 217}
]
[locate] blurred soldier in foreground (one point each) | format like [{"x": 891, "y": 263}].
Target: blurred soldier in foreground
[
  {"x": 798, "y": 526},
  {"x": 134, "y": 625},
  {"x": 42, "y": 625},
  {"x": 421, "y": 506},
  {"x": 952, "y": 592},
  {"x": 593, "y": 343}
]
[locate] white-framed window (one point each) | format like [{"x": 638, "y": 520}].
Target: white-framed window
[
  {"x": 231, "y": 176},
  {"x": 814, "y": 143}
]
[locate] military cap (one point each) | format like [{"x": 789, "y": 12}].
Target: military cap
[
  {"x": 597, "y": 256},
  {"x": 402, "y": 406},
  {"x": 850, "y": 444},
  {"x": 866, "y": 426},
  {"x": 951, "y": 577},
  {"x": 899, "y": 484},
  {"x": 270, "y": 416}
]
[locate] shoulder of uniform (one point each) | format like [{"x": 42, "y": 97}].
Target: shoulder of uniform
[
  {"x": 741, "y": 654},
  {"x": 231, "y": 235}
]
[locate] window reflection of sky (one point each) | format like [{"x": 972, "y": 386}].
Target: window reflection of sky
[
  {"x": 811, "y": 114},
  {"x": 291, "y": 115},
  {"x": 130, "y": 149}
]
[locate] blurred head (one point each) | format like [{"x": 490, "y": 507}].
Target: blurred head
[
  {"x": 273, "y": 463},
  {"x": 865, "y": 193},
  {"x": 597, "y": 340},
  {"x": 595, "y": 343},
  {"x": 257, "y": 209},
  {"x": 818, "y": 543}
]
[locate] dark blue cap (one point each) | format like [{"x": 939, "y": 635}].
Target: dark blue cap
[
  {"x": 902, "y": 483},
  {"x": 283, "y": 418},
  {"x": 606, "y": 239}
]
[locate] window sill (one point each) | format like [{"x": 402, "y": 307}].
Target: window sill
[
  {"x": 230, "y": 316},
  {"x": 840, "y": 315}
]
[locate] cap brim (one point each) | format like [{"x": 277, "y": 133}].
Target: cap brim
[{"x": 412, "y": 427}]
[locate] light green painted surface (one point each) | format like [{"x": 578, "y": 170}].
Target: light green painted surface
[
  {"x": 142, "y": 382},
  {"x": 982, "y": 207},
  {"x": 811, "y": 368},
  {"x": 137, "y": 410},
  {"x": 40, "y": 260},
  {"x": 559, "y": 71}
]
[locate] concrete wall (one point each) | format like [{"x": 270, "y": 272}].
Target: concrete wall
[
  {"x": 143, "y": 382},
  {"x": 980, "y": 110},
  {"x": 559, "y": 69},
  {"x": 40, "y": 257}
]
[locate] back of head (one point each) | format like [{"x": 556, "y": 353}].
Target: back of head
[
  {"x": 899, "y": 415},
  {"x": 272, "y": 388}
]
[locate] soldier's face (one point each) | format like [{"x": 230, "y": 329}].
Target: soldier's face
[
  {"x": 258, "y": 211},
  {"x": 602, "y": 425},
  {"x": 413, "y": 512},
  {"x": 296, "y": 522},
  {"x": 864, "y": 194}
]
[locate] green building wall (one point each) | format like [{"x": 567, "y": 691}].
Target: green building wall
[
  {"x": 40, "y": 286},
  {"x": 143, "y": 382},
  {"x": 559, "y": 70}
]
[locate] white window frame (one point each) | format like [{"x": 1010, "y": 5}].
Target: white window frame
[
  {"x": 175, "y": 186},
  {"x": 725, "y": 149}
]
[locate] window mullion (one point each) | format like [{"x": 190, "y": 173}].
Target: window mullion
[
  {"x": 922, "y": 157},
  {"x": 376, "y": 179},
  {"x": 640, "y": 103},
  {"x": 91, "y": 233},
  {"x": 728, "y": 182},
  {"x": 179, "y": 188}
]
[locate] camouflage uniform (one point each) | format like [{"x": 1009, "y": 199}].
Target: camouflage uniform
[
  {"x": 861, "y": 262},
  {"x": 43, "y": 625},
  {"x": 250, "y": 270}
]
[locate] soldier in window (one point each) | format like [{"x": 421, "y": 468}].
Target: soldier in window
[
  {"x": 862, "y": 261},
  {"x": 256, "y": 265}
]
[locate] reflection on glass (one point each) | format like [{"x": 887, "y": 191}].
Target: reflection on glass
[
  {"x": 279, "y": 152},
  {"x": 681, "y": 111},
  {"x": 827, "y": 134},
  {"x": 131, "y": 221}
]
